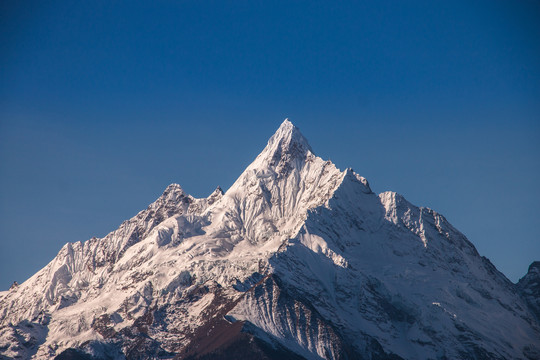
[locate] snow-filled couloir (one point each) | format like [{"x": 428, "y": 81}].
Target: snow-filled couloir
[{"x": 296, "y": 260}]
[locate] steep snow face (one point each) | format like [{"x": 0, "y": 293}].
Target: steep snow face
[
  {"x": 283, "y": 317},
  {"x": 402, "y": 276},
  {"x": 529, "y": 286},
  {"x": 273, "y": 194},
  {"x": 297, "y": 253}
]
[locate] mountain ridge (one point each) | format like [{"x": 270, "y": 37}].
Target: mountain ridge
[{"x": 298, "y": 257}]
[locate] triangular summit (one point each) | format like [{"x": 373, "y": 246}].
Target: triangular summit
[
  {"x": 285, "y": 150},
  {"x": 288, "y": 137}
]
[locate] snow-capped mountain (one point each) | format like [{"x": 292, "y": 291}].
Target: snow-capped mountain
[{"x": 297, "y": 260}]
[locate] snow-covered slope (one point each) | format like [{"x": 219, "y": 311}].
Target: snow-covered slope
[{"x": 296, "y": 260}]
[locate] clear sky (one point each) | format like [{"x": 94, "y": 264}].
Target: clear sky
[{"x": 104, "y": 103}]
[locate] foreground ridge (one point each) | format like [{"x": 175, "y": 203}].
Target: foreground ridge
[{"x": 297, "y": 260}]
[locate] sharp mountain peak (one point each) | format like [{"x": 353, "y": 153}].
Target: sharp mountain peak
[{"x": 287, "y": 143}]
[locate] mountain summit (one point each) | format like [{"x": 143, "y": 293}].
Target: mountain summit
[
  {"x": 287, "y": 143},
  {"x": 297, "y": 260}
]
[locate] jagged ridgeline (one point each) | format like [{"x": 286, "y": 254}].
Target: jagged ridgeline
[{"x": 297, "y": 260}]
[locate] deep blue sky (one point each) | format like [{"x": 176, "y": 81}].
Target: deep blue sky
[{"x": 103, "y": 104}]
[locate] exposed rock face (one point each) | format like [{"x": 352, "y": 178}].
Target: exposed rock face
[{"x": 297, "y": 260}]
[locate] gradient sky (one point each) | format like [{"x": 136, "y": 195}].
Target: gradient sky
[{"x": 103, "y": 104}]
